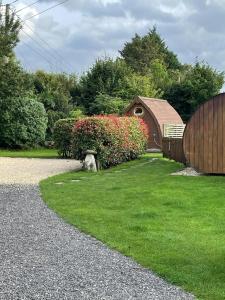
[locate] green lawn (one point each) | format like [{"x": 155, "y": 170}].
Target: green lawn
[
  {"x": 33, "y": 153},
  {"x": 171, "y": 224}
]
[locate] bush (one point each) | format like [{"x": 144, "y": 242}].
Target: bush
[
  {"x": 105, "y": 104},
  {"x": 23, "y": 122},
  {"x": 115, "y": 139},
  {"x": 62, "y": 136}
]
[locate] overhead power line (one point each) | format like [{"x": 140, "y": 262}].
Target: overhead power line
[
  {"x": 51, "y": 52},
  {"x": 26, "y": 6},
  {"x": 12, "y": 2},
  {"x": 8, "y": 3},
  {"x": 37, "y": 52},
  {"x": 51, "y": 7}
]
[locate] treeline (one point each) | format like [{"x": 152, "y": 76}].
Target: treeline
[{"x": 30, "y": 103}]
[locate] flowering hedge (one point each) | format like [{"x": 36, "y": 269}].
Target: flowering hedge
[
  {"x": 115, "y": 139},
  {"x": 62, "y": 136}
]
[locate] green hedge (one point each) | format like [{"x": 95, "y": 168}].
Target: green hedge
[
  {"x": 62, "y": 136},
  {"x": 23, "y": 123},
  {"x": 115, "y": 139}
]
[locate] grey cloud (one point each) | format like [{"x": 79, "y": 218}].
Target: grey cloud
[{"x": 89, "y": 29}]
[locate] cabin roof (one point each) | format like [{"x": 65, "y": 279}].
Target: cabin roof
[{"x": 161, "y": 110}]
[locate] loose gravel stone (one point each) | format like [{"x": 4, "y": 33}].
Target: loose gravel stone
[
  {"x": 32, "y": 170},
  {"x": 44, "y": 258},
  {"x": 187, "y": 172}
]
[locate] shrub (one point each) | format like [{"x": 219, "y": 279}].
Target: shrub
[
  {"x": 105, "y": 104},
  {"x": 62, "y": 136},
  {"x": 77, "y": 113},
  {"x": 115, "y": 139},
  {"x": 23, "y": 122}
]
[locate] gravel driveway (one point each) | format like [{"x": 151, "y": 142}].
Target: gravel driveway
[
  {"x": 44, "y": 258},
  {"x": 32, "y": 170}
]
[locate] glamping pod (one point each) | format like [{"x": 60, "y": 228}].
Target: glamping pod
[
  {"x": 204, "y": 137},
  {"x": 156, "y": 113}
]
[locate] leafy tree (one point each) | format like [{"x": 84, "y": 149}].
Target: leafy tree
[
  {"x": 14, "y": 81},
  {"x": 142, "y": 51},
  {"x": 135, "y": 84},
  {"x": 162, "y": 76},
  {"x": 23, "y": 119},
  {"x": 198, "y": 84},
  {"x": 54, "y": 91},
  {"x": 77, "y": 113},
  {"x": 105, "y": 104},
  {"x": 23, "y": 122},
  {"x": 115, "y": 79},
  {"x": 9, "y": 31}
]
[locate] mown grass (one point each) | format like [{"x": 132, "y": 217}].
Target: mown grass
[
  {"x": 173, "y": 225},
  {"x": 32, "y": 153}
]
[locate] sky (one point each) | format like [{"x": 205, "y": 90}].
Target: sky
[{"x": 73, "y": 35}]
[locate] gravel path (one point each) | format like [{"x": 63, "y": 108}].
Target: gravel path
[
  {"x": 44, "y": 258},
  {"x": 32, "y": 170}
]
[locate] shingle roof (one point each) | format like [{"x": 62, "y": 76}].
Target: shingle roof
[{"x": 162, "y": 111}]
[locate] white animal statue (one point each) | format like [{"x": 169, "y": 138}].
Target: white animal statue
[{"x": 90, "y": 162}]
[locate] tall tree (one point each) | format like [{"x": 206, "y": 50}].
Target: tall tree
[
  {"x": 9, "y": 30},
  {"x": 55, "y": 92},
  {"x": 198, "y": 84},
  {"x": 143, "y": 50},
  {"x": 114, "y": 79}
]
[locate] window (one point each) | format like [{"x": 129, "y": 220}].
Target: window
[{"x": 138, "y": 111}]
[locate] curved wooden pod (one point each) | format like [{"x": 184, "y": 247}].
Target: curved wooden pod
[
  {"x": 204, "y": 137},
  {"x": 156, "y": 113}
]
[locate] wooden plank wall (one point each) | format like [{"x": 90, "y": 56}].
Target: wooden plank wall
[
  {"x": 204, "y": 137},
  {"x": 173, "y": 149}
]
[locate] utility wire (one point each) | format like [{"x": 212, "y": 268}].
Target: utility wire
[
  {"x": 27, "y": 34},
  {"x": 56, "y": 53},
  {"x": 37, "y": 52},
  {"x": 11, "y": 3},
  {"x": 26, "y": 6},
  {"x": 51, "y": 7},
  {"x": 56, "y": 56}
]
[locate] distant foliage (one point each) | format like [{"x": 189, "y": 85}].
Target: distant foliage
[
  {"x": 14, "y": 81},
  {"x": 77, "y": 113},
  {"x": 115, "y": 79},
  {"x": 115, "y": 139},
  {"x": 62, "y": 136},
  {"x": 55, "y": 92},
  {"x": 143, "y": 50},
  {"x": 105, "y": 104},
  {"x": 23, "y": 122},
  {"x": 198, "y": 84},
  {"x": 9, "y": 30}
]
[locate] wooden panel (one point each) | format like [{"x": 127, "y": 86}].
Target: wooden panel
[
  {"x": 201, "y": 139},
  {"x": 223, "y": 117},
  {"x": 204, "y": 137},
  {"x": 220, "y": 136},
  {"x": 151, "y": 125},
  {"x": 173, "y": 149},
  {"x": 208, "y": 152},
  {"x": 173, "y": 130},
  {"x": 196, "y": 140},
  {"x": 215, "y": 136},
  {"x": 192, "y": 145},
  {"x": 186, "y": 144}
]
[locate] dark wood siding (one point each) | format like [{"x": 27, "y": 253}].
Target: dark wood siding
[
  {"x": 204, "y": 137},
  {"x": 173, "y": 149},
  {"x": 152, "y": 127}
]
